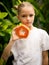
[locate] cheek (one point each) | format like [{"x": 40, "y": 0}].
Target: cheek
[
  {"x": 33, "y": 19},
  {"x": 22, "y": 21}
]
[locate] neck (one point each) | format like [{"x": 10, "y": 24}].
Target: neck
[{"x": 30, "y": 27}]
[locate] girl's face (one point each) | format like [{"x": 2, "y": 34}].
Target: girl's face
[{"x": 26, "y": 16}]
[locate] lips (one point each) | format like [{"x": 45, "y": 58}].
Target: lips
[{"x": 28, "y": 22}]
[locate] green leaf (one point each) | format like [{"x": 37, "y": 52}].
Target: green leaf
[
  {"x": 0, "y": 23},
  {"x": 2, "y": 33},
  {"x": 5, "y": 24},
  {"x": 19, "y": 1},
  {"x": 15, "y": 19},
  {"x": 9, "y": 31},
  {"x": 3, "y": 15},
  {"x": 14, "y": 11},
  {"x": 10, "y": 15}
]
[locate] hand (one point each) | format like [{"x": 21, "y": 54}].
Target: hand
[
  {"x": 20, "y": 31},
  {"x": 14, "y": 36}
]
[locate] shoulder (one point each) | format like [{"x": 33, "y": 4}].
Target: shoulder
[{"x": 41, "y": 31}]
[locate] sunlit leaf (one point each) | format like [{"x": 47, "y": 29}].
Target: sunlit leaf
[
  {"x": 0, "y": 23},
  {"x": 3, "y": 15},
  {"x": 19, "y": 1},
  {"x": 5, "y": 24}
]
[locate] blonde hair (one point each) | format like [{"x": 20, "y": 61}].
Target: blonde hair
[{"x": 23, "y": 4}]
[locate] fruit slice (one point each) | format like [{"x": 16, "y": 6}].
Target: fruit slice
[{"x": 22, "y": 31}]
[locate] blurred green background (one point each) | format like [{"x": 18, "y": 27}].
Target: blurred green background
[{"x": 8, "y": 18}]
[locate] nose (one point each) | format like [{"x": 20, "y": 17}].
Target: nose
[{"x": 28, "y": 18}]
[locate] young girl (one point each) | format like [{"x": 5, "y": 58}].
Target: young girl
[{"x": 33, "y": 49}]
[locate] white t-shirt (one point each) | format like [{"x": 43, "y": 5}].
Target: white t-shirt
[{"x": 29, "y": 51}]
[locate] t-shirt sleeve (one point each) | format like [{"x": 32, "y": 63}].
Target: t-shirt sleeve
[{"x": 45, "y": 41}]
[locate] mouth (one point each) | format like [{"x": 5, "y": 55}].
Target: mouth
[{"x": 28, "y": 22}]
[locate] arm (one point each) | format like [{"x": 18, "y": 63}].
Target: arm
[
  {"x": 7, "y": 50},
  {"x": 45, "y": 58},
  {"x": 6, "y": 53}
]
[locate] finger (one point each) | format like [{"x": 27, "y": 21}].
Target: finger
[{"x": 14, "y": 36}]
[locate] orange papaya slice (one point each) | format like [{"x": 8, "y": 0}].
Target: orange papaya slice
[{"x": 22, "y": 31}]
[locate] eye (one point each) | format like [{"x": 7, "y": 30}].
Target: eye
[
  {"x": 31, "y": 15},
  {"x": 23, "y": 15}
]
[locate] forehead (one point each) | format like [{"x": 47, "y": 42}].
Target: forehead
[{"x": 27, "y": 10}]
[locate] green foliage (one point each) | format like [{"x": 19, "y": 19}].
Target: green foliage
[
  {"x": 8, "y": 21},
  {"x": 0, "y": 47}
]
